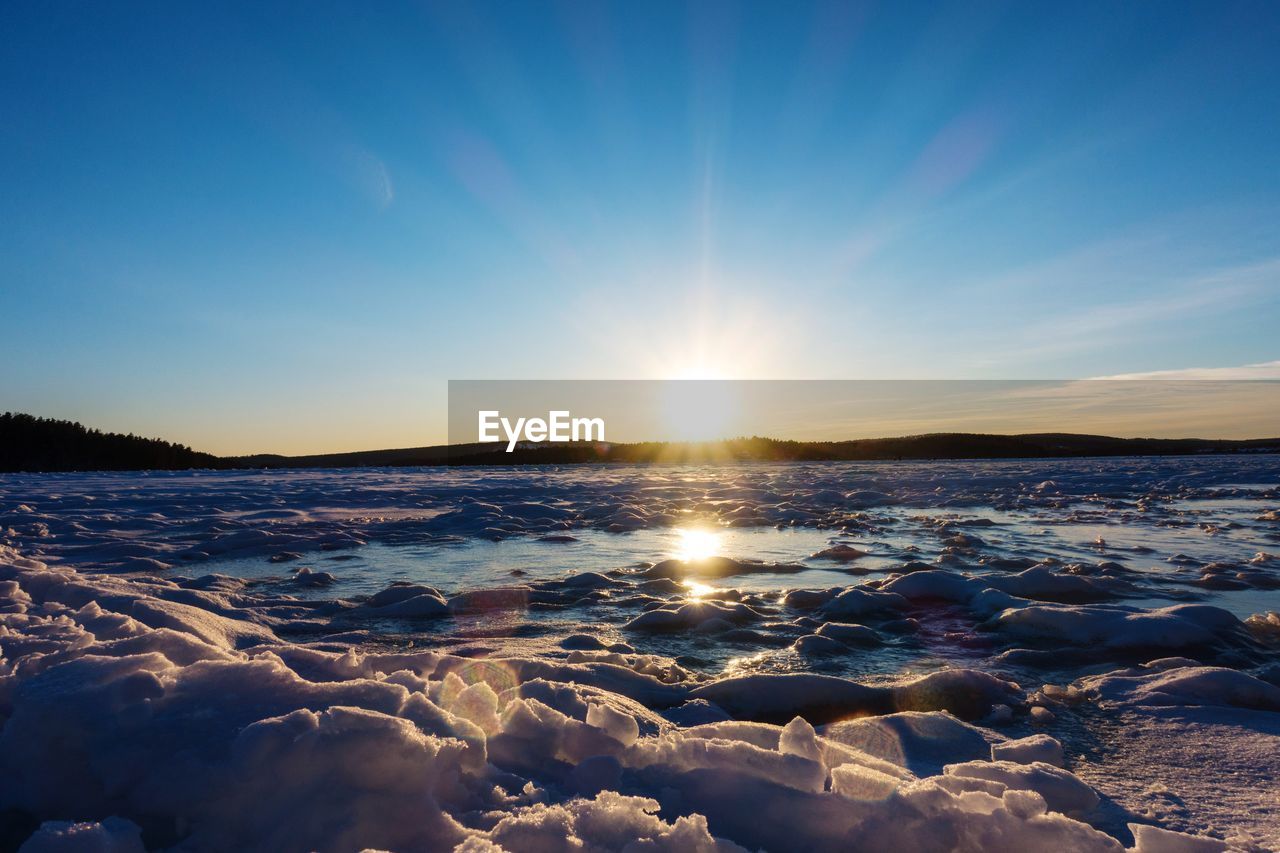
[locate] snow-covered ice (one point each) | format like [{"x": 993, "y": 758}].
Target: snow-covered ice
[{"x": 1033, "y": 655}]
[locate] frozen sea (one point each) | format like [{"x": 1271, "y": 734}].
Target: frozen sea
[{"x": 1029, "y": 654}]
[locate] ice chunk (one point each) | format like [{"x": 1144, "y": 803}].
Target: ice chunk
[
  {"x": 938, "y": 585},
  {"x": 1061, "y": 790},
  {"x": 799, "y": 738},
  {"x": 857, "y": 602},
  {"x": 113, "y": 835},
  {"x": 922, "y": 742},
  {"x": 779, "y": 698},
  {"x": 1042, "y": 715},
  {"x": 1153, "y": 839},
  {"x": 1177, "y": 627},
  {"x": 696, "y": 712},
  {"x": 856, "y": 782},
  {"x": 497, "y": 598},
  {"x": 968, "y": 693},
  {"x": 582, "y": 642},
  {"x": 821, "y": 698},
  {"x": 1043, "y": 584},
  {"x": 621, "y": 727},
  {"x": 816, "y": 645},
  {"x": 1029, "y": 750},
  {"x": 692, "y": 615},
  {"x": 841, "y": 553},
  {"x": 610, "y": 821},
  {"x": 852, "y": 635},
  {"x": 425, "y": 606},
  {"x": 304, "y": 576},
  {"x": 401, "y": 591},
  {"x": 1184, "y": 685}
]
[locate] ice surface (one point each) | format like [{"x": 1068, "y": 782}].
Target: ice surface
[{"x": 981, "y": 674}]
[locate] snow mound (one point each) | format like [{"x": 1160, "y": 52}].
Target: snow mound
[
  {"x": 1062, "y": 792},
  {"x": 842, "y": 553},
  {"x": 821, "y": 698},
  {"x": 1183, "y": 685},
  {"x": 1029, "y": 750},
  {"x": 923, "y": 742},
  {"x": 1178, "y": 627},
  {"x": 693, "y": 615},
  {"x": 857, "y": 602}
]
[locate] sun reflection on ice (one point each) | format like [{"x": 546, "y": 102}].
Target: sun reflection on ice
[
  {"x": 744, "y": 663},
  {"x": 694, "y": 544},
  {"x": 698, "y": 590}
]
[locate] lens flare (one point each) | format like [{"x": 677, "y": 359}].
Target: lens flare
[{"x": 498, "y": 674}]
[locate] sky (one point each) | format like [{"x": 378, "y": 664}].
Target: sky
[{"x": 282, "y": 227}]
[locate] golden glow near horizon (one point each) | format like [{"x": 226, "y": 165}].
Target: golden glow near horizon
[
  {"x": 693, "y": 411},
  {"x": 699, "y": 411},
  {"x": 696, "y": 543}
]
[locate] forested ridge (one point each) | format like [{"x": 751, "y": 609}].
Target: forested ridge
[{"x": 29, "y": 443}]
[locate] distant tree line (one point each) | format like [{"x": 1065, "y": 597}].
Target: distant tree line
[
  {"x": 917, "y": 447},
  {"x": 28, "y": 443}
]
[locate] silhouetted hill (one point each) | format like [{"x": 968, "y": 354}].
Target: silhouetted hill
[
  {"x": 28, "y": 443},
  {"x": 929, "y": 446},
  {"x": 438, "y": 455}
]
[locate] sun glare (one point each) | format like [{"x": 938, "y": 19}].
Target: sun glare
[
  {"x": 698, "y": 371},
  {"x": 695, "y": 544},
  {"x": 699, "y": 410},
  {"x": 698, "y": 590}
]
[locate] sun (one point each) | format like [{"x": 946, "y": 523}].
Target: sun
[
  {"x": 699, "y": 410},
  {"x": 698, "y": 370},
  {"x": 696, "y": 544}
]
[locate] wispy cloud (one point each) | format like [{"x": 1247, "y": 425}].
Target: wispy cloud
[
  {"x": 1261, "y": 370},
  {"x": 1220, "y": 291}
]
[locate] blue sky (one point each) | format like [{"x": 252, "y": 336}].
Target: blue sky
[{"x": 282, "y": 229}]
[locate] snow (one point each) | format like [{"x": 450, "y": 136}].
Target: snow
[
  {"x": 1061, "y": 791},
  {"x": 113, "y": 835},
  {"x": 921, "y": 741},
  {"x": 937, "y": 690},
  {"x": 1178, "y": 627},
  {"x": 1183, "y": 685},
  {"x": 1153, "y": 839},
  {"x": 1029, "y": 750},
  {"x": 280, "y": 746},
  {"x": 855, "y": 602},
  {"x": 853, "y": 635}
]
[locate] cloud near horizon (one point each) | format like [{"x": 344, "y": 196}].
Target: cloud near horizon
[{"x": 1266, "y": 370}]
